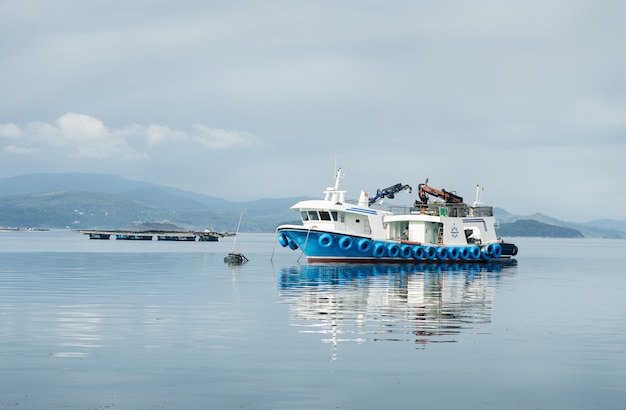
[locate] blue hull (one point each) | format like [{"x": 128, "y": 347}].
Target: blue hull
[{"x": 321, "y": 246}]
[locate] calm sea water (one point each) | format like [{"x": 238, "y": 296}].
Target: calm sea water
[{"x": 164, "y": 325}]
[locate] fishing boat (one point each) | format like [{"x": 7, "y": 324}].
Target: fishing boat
[{"x": 445, "y": 229}]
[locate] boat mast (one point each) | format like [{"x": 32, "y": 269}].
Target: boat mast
[
  {"x": 237, "y": 232},
  {"x": 338, "y": 176}
]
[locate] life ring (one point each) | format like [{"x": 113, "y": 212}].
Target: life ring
[
  {"x": 393, "y": 250},
  {"x": 364, "y": 245},
  {"x": 405, "y": 251},
  {"x": 325, "y": 240},
  {"x": 282, "y": 239},
  {"x": 345, "y": 242}
]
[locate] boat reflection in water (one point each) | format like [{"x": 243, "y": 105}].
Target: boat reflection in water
[{"x": 421, "y": 303}]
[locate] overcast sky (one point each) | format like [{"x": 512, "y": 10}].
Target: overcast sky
[{"x": 261, "y": 99}]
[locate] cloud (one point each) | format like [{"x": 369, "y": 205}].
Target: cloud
[
  {"x": 10, "y": 130},
  {"x": 14, "y": 149},
  {"x": 214, "y": 138},
  {"x": 157, "y": 134},
  {"x": 84, "y": 136}
]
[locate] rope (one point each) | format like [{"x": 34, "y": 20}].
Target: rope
[{"x": 304, "y": 246}]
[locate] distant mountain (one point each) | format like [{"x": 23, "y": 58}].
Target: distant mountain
[
  {"x": 617, "y": 230},
  {"x": 609, "y": 224},
  {"x": 90, "y": 201},
  {"x": 529, "y": 227},
  {"x": 83, "y": 201},
  {"x": 102, "y": 183}
]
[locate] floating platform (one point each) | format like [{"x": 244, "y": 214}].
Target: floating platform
[{"x": 148, "y": 235}]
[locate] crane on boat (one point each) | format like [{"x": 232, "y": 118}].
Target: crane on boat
[
  {"x": 389, "y": 192},
  {"x": 424, "y": 191}
]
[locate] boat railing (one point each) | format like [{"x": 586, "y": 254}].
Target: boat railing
[
  {"x": 481, "y": 211},
  {"x": 441, "y": 209}
]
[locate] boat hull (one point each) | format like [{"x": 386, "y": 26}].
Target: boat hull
[{"x": 324, "y": 246}]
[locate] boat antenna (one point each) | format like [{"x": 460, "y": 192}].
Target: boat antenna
[{"x": 479, "y": 191}]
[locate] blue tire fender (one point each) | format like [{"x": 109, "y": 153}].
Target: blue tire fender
[
  {"x": 405, "y": 251},
  {"x": 442, "y": 253},
  {"x": 345, "y": 242},
  {"x": 464, "y": 253},
  {"x": 325, "y": 240},
  {"x": 292, "y": 245},
  {"x": 418, "y": 252},
  {"x": 282, "y": 239},
  {"x": 453, "y": 253},
  {"x": 474, "y": 252},
  {"x": 393, "y": 250},
  {"x": 379, "y": 250},
  {"x": 430, "y": 252},
  {"x": 364, "y": 244}
]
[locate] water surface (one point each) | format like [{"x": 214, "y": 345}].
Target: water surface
[{"x": 165, "y": 325}]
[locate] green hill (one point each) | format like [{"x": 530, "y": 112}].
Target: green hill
[{"x": 528, "y": 227}]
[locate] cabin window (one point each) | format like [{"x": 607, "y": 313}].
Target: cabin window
[
  {"x": 313, "y": 216},
  {"x": 324, "y": 216},
  {"x": 334, "y": 215},
  {"x": 304, "y": 215}
]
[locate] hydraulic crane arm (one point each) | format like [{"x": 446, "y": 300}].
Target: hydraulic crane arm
[
  {"x": 389, "y": 192},
  {"x": 449, "y": 197}
]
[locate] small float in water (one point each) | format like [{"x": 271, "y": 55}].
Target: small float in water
[{"x": 234, "y": 258}]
